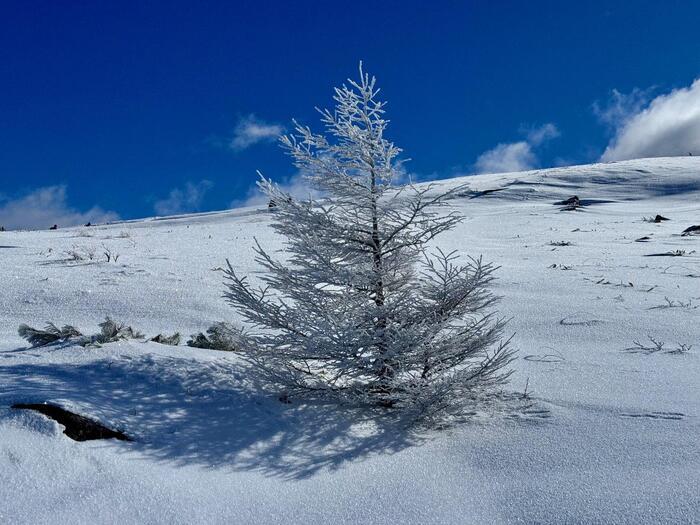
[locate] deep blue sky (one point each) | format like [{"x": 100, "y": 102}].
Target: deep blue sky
[{"x": 124, "y": 101}]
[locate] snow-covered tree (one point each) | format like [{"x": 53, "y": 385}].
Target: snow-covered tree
[{"x": 359, "y": 310}]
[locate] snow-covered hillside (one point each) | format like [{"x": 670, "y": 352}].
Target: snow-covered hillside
[{"x": 611, "y": 437}]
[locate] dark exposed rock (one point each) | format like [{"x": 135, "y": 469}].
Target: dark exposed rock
[
  {"x": 571, "y": 200},
  {"x": 78, "y": 428},
  {"x": 692, "y": 230},
  {"x": 570, "y": 204}
]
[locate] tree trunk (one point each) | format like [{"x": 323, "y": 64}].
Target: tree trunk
[{"x": 385, "y": 370}]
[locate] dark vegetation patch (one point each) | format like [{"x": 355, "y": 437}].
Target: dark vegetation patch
[{"x": 78, "y": 428}]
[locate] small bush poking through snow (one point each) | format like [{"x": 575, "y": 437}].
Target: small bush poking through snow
[
  {"x": 655, "y": 346},
  {"x": 50, "y": 334},
  {"x": 172, "y": 340},
  {"x": 221, "y": 336},
  {"x": 110, "y": 254},
  {"x": 81, "y": 253},
  {"x": 110, "y": 331}
]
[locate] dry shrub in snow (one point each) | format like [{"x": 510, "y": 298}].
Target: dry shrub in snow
[
  {"x": 110, "y": 331},
  {"x": 171, "y": 340},
  {"x": 361, "y": 311},
  {"x": 220, "y": 336},
  {"x": 50, "y": 334}
]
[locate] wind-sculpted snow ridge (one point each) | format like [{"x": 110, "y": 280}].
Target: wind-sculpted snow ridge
[
  {"x": 626, "y": 180},
  {"x": 609, "y": 435}
]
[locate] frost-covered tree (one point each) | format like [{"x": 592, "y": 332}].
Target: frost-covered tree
[{"x": 359, "y": 310}]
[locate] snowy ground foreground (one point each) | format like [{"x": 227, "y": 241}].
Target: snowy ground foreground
[{"x": 613, "y": 436}]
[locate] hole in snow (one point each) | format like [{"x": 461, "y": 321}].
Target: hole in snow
[{"x": 78, "y": 428}]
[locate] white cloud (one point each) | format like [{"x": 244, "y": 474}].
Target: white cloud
[
  {"x": 668, "y": 126},
  {"x": 537, "y": 136},
  {"x": 516, "y": 156},
  {"x": 183, "y": 200},
  {"x": 44, "y": 207},
  {"x": 250, "y": 130}
]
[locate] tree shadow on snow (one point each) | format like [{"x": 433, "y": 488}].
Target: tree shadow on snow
[{"x": 208, "y": 413}]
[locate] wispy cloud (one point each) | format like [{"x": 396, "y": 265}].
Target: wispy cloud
[
  {"x": 44, "y": 207},
  {"x": 183, "y": 200},
  {"x": 540, "y": 135},
  {"x": 251, "y": 130},
  {"x": 620, "y": 107},
  {"x": 669, "y": 125},
  {"x": 516, "y": 156}
]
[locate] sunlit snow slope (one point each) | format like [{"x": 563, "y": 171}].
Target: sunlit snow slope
[{"x": 612, "y": 436}]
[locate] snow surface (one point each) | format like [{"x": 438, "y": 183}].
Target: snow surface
[{"x": 612, "y": 437}]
